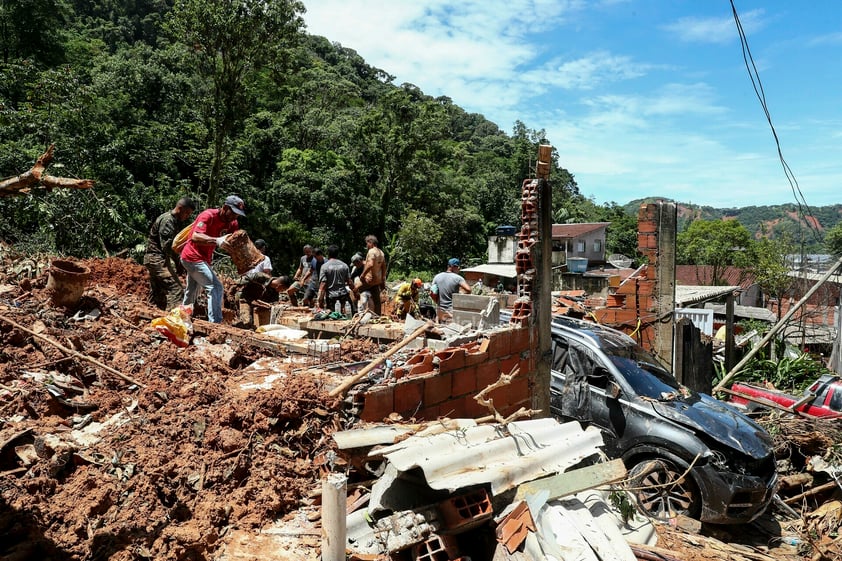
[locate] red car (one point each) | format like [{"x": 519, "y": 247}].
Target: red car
[{"x": 827, "y": 400}]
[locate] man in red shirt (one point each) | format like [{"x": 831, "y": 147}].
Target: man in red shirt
[{"x": 209, "y": 232}]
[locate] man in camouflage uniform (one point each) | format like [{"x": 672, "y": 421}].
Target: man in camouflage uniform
[{"x": 160, "y": 261}]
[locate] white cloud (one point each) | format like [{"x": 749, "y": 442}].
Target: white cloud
[{"x": 715, "y": 30}]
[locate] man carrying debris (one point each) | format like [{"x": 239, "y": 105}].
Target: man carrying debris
[
  {"x": 334, "y": 282},
  {"x": 301, "y": 276},
  {"x": 444, "y": 286},
  {"x": 253, "y": 285},
  {"x": 160, "y": 260},
  {"x": 210, "y": 231},
  {"x": 373, "y": 277}
]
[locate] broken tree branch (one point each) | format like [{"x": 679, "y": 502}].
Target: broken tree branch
[
  {"x": 71, "y": 352},
  {"x": 36, "y": 175},
  {"x": 363, "y": 372}
]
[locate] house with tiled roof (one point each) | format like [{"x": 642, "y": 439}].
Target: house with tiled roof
[{"x": 585, "y": 240}]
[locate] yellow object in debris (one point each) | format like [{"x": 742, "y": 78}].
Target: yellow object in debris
[{"x": 175, "y": 326}]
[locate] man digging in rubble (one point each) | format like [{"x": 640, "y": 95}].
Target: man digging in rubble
[
  {"x": 444, "y": 286},
  {"x": 212, "y": 228},
  {"x": 160, "y": 260}
]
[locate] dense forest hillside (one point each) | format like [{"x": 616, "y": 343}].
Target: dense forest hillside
[{"x": 157, "y": 99}]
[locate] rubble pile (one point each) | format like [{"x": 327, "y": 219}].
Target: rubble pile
[
  {"x": 94, "y": 466},
  {"x": 117, "y": 444}
]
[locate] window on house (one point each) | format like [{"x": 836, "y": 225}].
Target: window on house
[
  {"x": 597, "y": 246},
  {"x": 580, "y": 246}
]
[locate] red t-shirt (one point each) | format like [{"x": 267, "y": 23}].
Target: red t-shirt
[{"x": 209, "y": 223}]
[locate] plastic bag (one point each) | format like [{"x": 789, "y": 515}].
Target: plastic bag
[
  {"x": 181, "y": 238},
  {"x": 176, "y": 326}
]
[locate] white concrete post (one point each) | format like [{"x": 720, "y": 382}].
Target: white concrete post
[{"x": 334, "y": 517}]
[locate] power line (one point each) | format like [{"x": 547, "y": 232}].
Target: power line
[{"x": 761, "y": 96}]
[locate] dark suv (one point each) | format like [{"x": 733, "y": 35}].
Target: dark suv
[{"x": 661, "y": 429}]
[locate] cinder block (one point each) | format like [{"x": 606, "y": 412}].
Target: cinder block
[
  {"x": 466, "y": 511},
  {"x": 409, "y": 396},
  {"x": 436, "y": 548},
  {"x": 437, "y": 388},
  {"x": 379, "y": 403}
]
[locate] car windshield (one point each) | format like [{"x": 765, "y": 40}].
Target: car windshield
[{"x": 642, "y": 371}]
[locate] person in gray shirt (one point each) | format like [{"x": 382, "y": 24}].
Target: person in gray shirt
[
  {"x": 334, "y": 282},
  {"x": 444, "y": 286}
]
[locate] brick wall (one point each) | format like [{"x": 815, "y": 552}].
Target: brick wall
[
  {"x": 635, "y": 297},
  {"x": 433, "y": 384}
]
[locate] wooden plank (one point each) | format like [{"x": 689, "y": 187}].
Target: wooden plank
[{"x": 571, "y": 482}]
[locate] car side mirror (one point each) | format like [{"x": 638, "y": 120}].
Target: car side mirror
[{"x": 613, "y": 390}]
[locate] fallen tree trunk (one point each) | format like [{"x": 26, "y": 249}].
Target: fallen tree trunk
[{"x": 21, "y": 184}]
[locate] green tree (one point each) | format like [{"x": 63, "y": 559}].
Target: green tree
[
  {"x": 770, "y": 267},
  {"x": 717, "y": 243},
  {"x": 231, "y": 43},
  {"x": 833, "y": 240}
]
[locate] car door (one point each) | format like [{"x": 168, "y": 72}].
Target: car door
[{"x": 581, "y": 385}]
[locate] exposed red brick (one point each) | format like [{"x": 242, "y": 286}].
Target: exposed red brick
[
  {"x": 420, "y": 356},
  {"x": 422, "y": 367},
  {"x": 437, "y": 388},
  {"x": 464, "y": 381},
  {"x": 475, "y": 358},
  {"x": 451, "y": 359},
  {"x": 379, "y": 403},
  {"x": 646, "y": 287},
  {"x": 500, "y": 344},
  {"x": 486, "y": 374},
  {"x": 508, "y": 363},
  {"x": 647, "y": 226},
  {"x": 647, "y": 241},
  {"x": 409, "y": 396},
  {"x": 521, "y": 339},
  {"x": 430, "y": 413}
]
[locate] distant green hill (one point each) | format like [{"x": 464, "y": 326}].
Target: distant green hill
[{"x": 807, "y": 225}]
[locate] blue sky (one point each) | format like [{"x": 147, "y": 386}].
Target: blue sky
[{"x": 640, "y": 97}]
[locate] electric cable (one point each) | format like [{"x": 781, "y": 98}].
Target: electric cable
[{"x": 754, "y": 76}]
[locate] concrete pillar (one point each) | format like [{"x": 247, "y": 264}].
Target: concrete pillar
[{"x": 667, "y": 225}]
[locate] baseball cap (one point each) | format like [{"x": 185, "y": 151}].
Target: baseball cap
[
  {"x": 236, "y": 204},
  {"x": 453, "y": 262}
]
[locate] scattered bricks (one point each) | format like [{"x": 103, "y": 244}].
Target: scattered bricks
[
  {"x": 437, "y": 388},
  {"x": 464, "y": 512},
  {"x": 408, "y": 396},
  {"x": 379, "y": 403},
  {"x": 436, "y": 548},
  {"x": 451, "y": 359},
  {"x": 400, "y": 372},
  {"x": 464, "y": 382}
]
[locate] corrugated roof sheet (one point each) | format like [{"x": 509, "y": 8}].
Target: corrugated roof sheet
[
  {"x": 685, "y": 295},
  {"x": 501, "y": 456}
]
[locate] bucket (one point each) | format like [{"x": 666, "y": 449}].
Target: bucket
[
  {"x": 66, "y": 283},
  {"x": 242, "y": 251}
]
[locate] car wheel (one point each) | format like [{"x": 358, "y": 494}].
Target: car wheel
[{"x": 659, "y": 494}]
